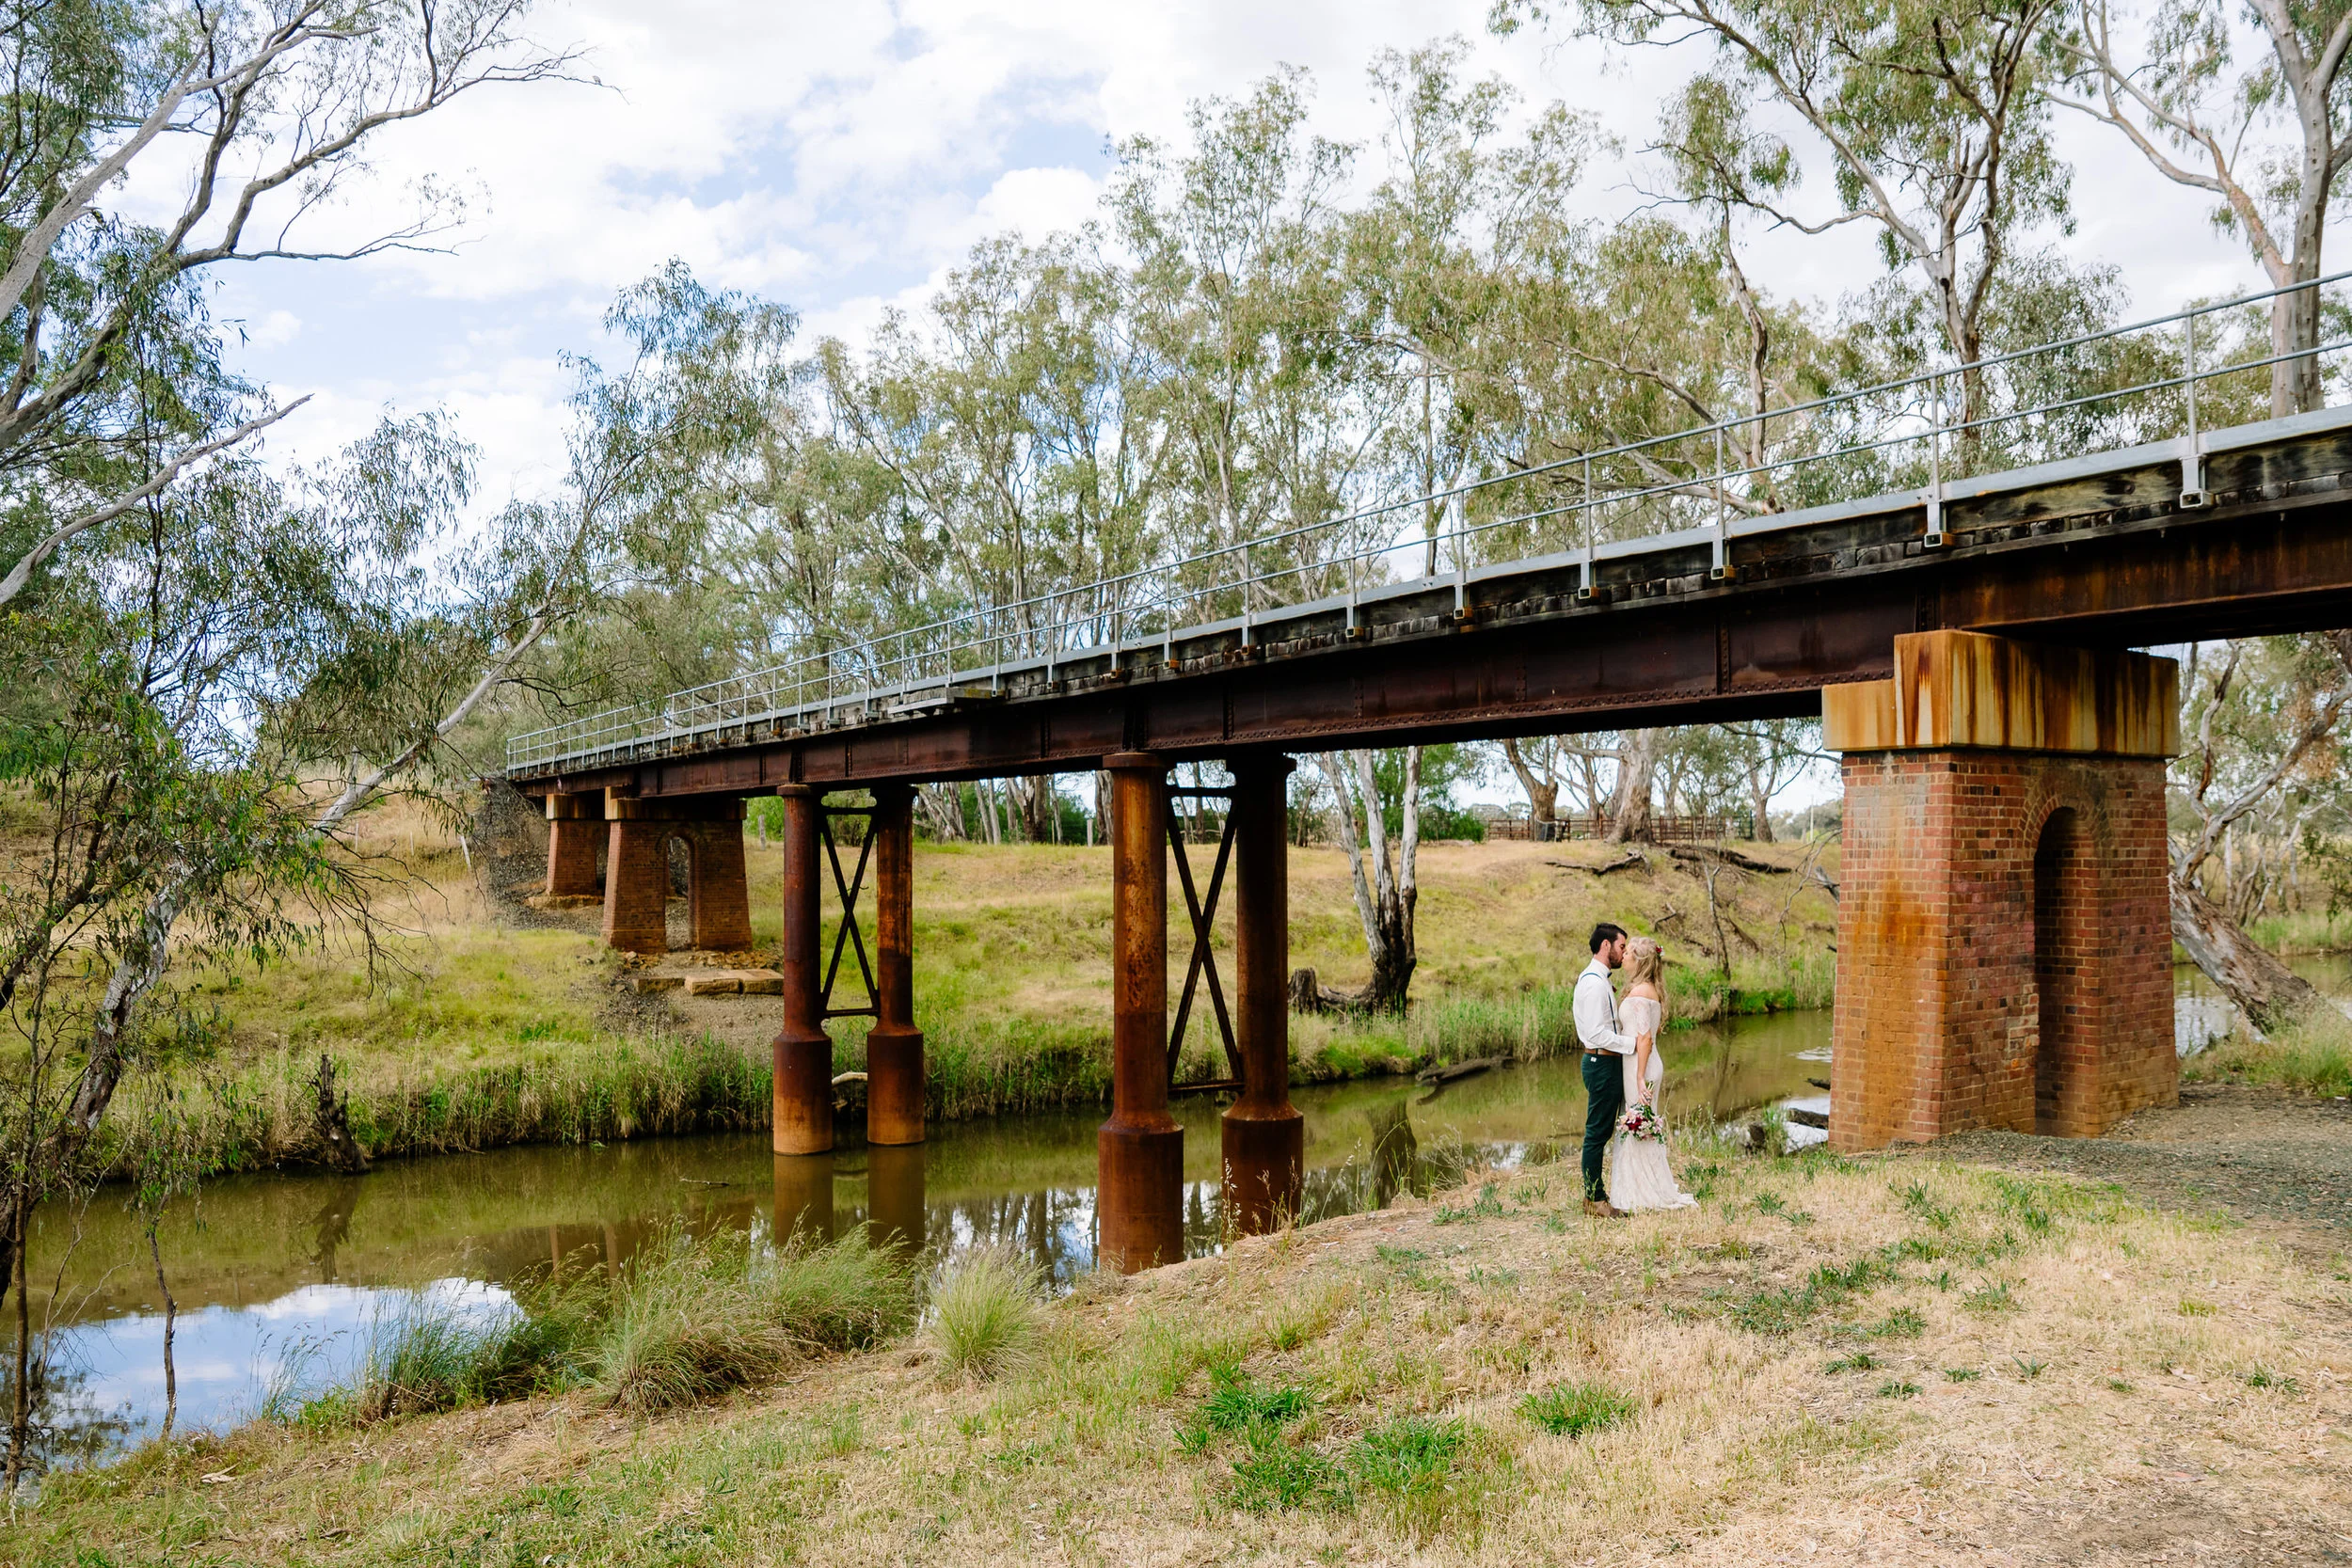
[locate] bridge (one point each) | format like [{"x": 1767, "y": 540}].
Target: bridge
[{"x": 1958, "y": 597}]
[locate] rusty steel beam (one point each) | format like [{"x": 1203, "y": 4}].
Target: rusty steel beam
[
  {"x": 2109, "y": 563},
  {"x": 1139, "y": 1152},
  {"x": 804, "y": 1052},
  {"x": 1264, "y": 1135},
  {"x": 894, "y": 1047}
]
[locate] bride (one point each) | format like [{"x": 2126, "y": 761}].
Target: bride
[{"x": 1639, "y": 1176}]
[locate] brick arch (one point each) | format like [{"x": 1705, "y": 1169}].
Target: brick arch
[{"x": 2068, "y": 894}]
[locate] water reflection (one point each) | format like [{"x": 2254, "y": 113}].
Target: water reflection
[{"x": 272, "y": 1264}]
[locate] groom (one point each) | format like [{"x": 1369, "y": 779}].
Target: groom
[{"x": 1596, "y": 1012}]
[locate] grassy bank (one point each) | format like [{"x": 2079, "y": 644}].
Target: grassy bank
[
  {"x": 1899, "y": 1361},
  {"x": 2312, "y": 1058},
  {"x": 477, "y": 1029}
]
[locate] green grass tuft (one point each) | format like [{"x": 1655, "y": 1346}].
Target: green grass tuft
[
  {"x": 1573, "y": 1409},
  {"x": 984, "y": 1313}
]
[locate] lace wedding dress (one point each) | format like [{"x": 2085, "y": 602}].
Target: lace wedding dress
[{"x": 1639, "y": 1175}]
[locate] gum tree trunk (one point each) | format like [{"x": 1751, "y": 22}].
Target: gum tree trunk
[{"x": 2271, "y": 994}]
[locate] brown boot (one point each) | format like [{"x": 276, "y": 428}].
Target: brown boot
[{"x": 1601, "y": 1209}]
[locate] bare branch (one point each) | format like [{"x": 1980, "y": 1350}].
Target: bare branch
[{"x": 22, "y": 572}]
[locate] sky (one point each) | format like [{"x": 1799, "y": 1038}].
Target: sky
[{"x": 841, "y": 158}]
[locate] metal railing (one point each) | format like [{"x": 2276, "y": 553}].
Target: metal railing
[{"x": 2114, "y": 387}]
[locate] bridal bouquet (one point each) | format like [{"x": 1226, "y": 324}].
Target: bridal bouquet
[{"x": 1641, "y": 1120}]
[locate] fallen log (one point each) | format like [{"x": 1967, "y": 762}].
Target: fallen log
[
  {"x": 1633, "y": 859},
  {"x": 1808, "y": 1119},
  {"x": 1448, "y": 1073},
  {"x": 1726, "y": 857}
]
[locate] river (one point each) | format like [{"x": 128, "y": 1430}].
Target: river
[{"x": 280, "y": 1276}]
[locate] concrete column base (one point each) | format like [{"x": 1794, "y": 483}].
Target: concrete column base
[
  {"x": 574, "y": 833},
  {"x": 719, "y": 900},
  {"x": 893, "y": 1085},
  {"x": 1264, "y": 1170},
  {"x": 637, "y": 887},
  {"x": 1139, "y": 1206}
]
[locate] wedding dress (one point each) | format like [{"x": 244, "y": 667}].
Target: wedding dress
[{"x": 1639, "y": 1174}]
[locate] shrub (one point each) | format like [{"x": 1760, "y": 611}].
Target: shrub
[
  {"x": 984, "y": 1313},
  {"x": 694, "y": 1320}
]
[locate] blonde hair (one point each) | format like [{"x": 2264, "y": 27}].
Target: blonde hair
[{"x": 1645, "y": 964}]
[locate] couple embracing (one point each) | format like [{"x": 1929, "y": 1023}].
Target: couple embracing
[{"x": 1622, "y": 1075}]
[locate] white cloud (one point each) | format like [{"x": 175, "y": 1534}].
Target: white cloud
[{"x": 842, "y": 157}]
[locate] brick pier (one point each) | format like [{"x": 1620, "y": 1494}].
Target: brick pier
[
  {"x": 2003, "y": 934},
  {"x": 637, "y": 871}
]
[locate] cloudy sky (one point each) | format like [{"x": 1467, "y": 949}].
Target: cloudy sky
[{"x": 840, "y": 157}]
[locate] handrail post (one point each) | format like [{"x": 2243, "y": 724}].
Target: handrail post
[
  {"x": 1249, "y": 595},
  {"x": 1721, "y": 571},
  {"x": 1461, "y": 570},
  {"x": 2193, "y": 497},
  {"x": 1933, "y": 539},
  {"x": 1584, "y": 577}
]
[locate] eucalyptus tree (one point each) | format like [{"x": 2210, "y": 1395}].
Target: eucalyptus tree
[
  {"x": 1236, "y": 298},
  {"x": 1465, "y": 218},
  {"x": 1933, "y": 119},
  {"x": 188, "y": 635},
  {"x": 2267, "y": 721},
  {"x": 2264, "y": 136},
  {"x": 1013, "y": 422}
]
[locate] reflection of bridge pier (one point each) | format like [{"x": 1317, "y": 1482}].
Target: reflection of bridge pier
[
  {"x": 804, "y": 1198},
  {"x": 894, "y": 1194}
]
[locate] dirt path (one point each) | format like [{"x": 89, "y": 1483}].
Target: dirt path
[{"x": 2257, "y": 1154}]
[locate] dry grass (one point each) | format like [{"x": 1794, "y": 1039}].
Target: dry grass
[
  {"x": 467, "y": 1033},
  {"x": 1822, "y": 1364}
]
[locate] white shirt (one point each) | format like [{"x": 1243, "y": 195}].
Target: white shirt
[{"x": 1596, "y": 1012}]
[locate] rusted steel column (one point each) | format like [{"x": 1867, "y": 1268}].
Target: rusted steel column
[
  {"x": 1265, "y": 1134},
  {"x": 804, "y": 1198},
  {"x": 575, "y": 828},
  {"x": 804, "y": 1052},
  {"x": 894, "y": 1194},
  {"x": 894, "y": 1047},
  {"x": 1140, "y": 1151}
]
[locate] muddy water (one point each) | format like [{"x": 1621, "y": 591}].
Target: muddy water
[{"x": 280, "y": 1277}]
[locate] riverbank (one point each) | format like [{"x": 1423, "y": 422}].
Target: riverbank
[
  {"x": 486, "y": 1024},
  {"x": 1901, "y": 1360}
]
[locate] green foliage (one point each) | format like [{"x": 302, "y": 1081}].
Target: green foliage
[
  {"x": 1781, "y": 1310},
  {"x": 1573, "y": 1409}
]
